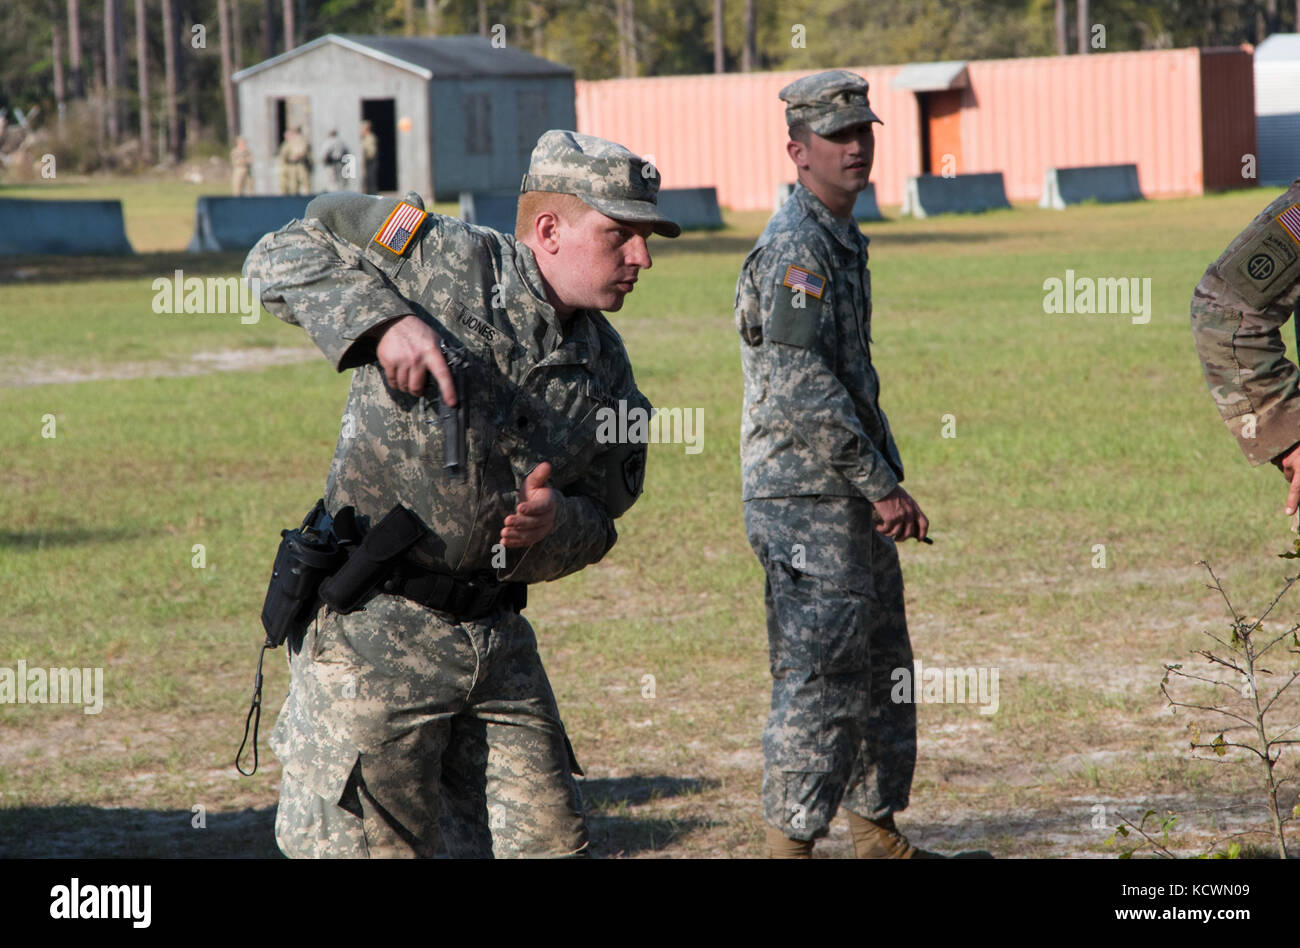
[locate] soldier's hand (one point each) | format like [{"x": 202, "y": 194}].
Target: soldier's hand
[
  {"x": 1290, "y": 465},
  {"x": 408, "y": 352},
  {"x": 534, "y": 515},
  {"x": 900, "y": 516}
]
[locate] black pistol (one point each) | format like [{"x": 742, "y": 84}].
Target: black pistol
[{"x": 451, "y": 418}]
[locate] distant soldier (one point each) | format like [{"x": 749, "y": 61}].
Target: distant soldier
[
  {"x": 283, "y": 168},
  {"x": 370, "y": 153},
  {"x": 1238, "y": 310},
  {"x": 335, "y": 152},
  {"x": 241, "y": 168},
  {"x": 299, "y": 157}
]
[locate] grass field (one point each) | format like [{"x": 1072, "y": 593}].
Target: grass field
[{"x": 1071, "y": 431}]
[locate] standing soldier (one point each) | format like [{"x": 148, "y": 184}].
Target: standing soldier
[
  {"x": 333, "y": 155},
  {"x": 241, "y": 167},
  {"x": 300, "y": 162},
  {"x": 283, "y": 167},
  {"x": 818, "y": 464},
  {"x": 370, "y": 155},
  {"x": 420, "y": 690},
  {"x": 1238, "y": 310}
]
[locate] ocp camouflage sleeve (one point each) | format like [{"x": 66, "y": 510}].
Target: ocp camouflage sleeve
[
  {"x": 1237, "y": 312},
  {"x": 796, "y": 370}
]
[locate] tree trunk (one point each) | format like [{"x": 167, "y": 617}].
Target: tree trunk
[
  {"x": 142, "y": 81},
  {"x": 1062, "y": 41},
  {"x": 719, "y": 36},
  {"x": 630, "y": 26},
  {"x": 60, "y": 87},
  {"x": 289, "y": 35},
  {"x": 749, "y": 55},
  {"x": 112, "y": 25},
  {"x": 188, "y": 75},
  {"x": 268, "y": 29},
  {"x": 227, "y": 84},
  {"x": 97, "y": 94},
  {"x": 1083, "y": 26},
  {"x": 169, "y": 79},
  {"x": 74, "y": 50},
  {"x": 482, "y": 18},
  {"x": 408, "y": 16},
  {"x": 237, "y": 34}
]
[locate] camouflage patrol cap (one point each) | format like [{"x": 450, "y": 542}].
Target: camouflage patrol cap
[
  {"x": 828, "y": 101},
  {"x": 601, "y": 174}
]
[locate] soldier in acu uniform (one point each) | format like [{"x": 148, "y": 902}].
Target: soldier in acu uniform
[
  {"x": 823, "y": 505},
  {"x": 425, "y": 720},
  {"x": 1238, "y": 310}
]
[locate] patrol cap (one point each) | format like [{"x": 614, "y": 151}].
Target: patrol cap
[
  {"x": 828, "y": 101},
  {"x": 602, "y": 174}
]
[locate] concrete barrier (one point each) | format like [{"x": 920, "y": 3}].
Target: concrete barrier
[
  {"x": 930, "y": 194},
  {"x": 223, "y": 222},
  {"x": 692, "y": 208},
  {"x": 495, "y": 209},
  {"x": 865, "y": 207},
  {"x": 39, "y": 226},
  {"x": 1107, "y": 184}
]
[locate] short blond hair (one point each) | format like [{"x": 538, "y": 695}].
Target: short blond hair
[{"x": 531, "y": 203}]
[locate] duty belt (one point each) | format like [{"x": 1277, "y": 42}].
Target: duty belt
[
  {"x": 463, "y": 599},
  {"x": 378, "y": 560}
]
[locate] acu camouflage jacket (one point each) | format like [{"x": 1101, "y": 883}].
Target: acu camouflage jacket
[
  {"x": 532, "y": 386},
  {"x": 812, "y": 421}
]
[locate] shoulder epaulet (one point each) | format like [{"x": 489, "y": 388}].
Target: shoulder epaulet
[{"x": 388, "y": 225}]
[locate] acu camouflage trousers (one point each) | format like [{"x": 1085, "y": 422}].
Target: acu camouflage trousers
[
  {"x": 408, "y": 735},
  {"x": 836, "y": 631}
]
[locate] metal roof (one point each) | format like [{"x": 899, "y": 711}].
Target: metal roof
[
  {"x": 932, "y": 77},
  {"x": 430, "y": 57},
  {"x": 1279, "y": 47}
]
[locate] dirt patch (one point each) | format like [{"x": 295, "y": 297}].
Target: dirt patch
[{"x": 199, "y": 363}]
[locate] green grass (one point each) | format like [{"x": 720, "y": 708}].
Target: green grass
[{"x": 1072, "y": 431}]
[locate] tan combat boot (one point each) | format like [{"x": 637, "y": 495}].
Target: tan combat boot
[
  {"x": 880, "y": 839},
  {"x": 780, "y": 846}
]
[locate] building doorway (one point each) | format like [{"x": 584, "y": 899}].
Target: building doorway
[
  {"x": 382, "y": 116},
  {"x": 940, "y": 131}
]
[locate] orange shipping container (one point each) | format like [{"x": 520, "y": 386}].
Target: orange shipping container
[{"x": 1185, "y": 117}]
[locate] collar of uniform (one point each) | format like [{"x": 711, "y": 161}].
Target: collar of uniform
[{"x": 846, "y": 232}]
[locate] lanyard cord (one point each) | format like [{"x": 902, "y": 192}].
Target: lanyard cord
[{"x": 254, "y": 716}]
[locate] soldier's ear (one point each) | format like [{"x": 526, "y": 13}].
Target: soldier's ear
[
  {"x": 798, "y": 152},
  {"x": 545, "y": 230}
]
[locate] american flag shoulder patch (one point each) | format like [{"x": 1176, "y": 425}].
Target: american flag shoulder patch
[
  {"x": 1290, "y": 221},
  {"x": 400, "y": 227},
  {"x": 813, "y": 284}
]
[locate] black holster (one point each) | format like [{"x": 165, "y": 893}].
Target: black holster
[
  {"x": 305, "y": 557},
  {"x": 373, "y": 560}
]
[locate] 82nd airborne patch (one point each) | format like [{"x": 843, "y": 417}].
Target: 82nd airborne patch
[
  {"x": 400, "y": 227},
  {"x": 1264, "y": 266}
]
